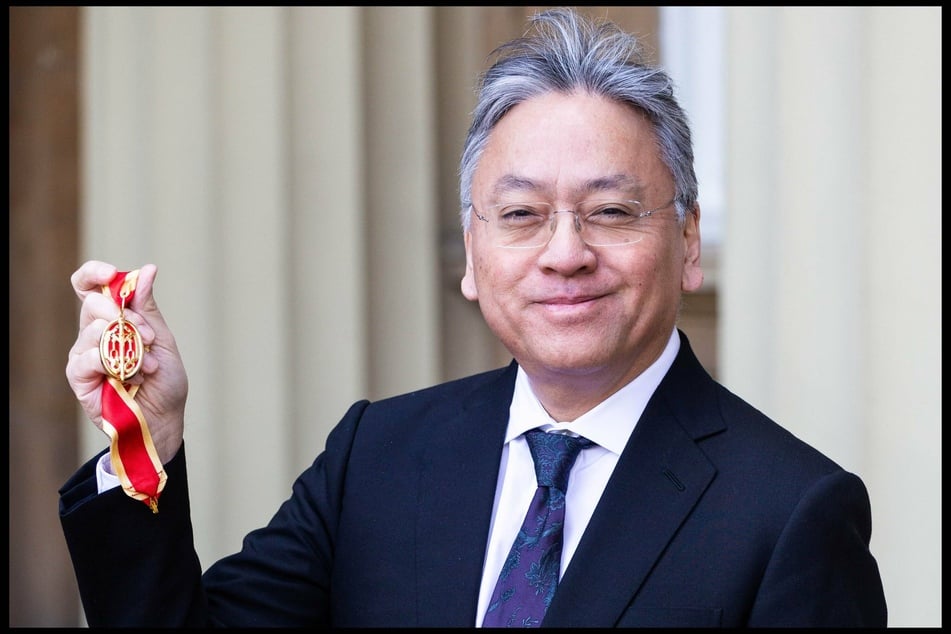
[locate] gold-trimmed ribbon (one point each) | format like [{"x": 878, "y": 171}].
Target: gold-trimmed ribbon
[{"x": 133, "y": 455}]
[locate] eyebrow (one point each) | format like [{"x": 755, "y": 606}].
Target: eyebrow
[
  {"x": 616, "y": 182},
  {"x": 511, "y": 182}
]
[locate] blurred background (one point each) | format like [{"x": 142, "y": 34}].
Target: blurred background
[{"x": 292, "y": 171}]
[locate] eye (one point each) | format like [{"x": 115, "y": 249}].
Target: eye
[
  {"x": 522, "y": 214},
  {"x": 613, "y": 213}
]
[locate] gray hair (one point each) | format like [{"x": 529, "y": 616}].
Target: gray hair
[{"x": 563, "y": 52}]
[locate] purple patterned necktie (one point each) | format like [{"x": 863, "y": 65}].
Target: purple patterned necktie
[{"x": 530, "y": 574}]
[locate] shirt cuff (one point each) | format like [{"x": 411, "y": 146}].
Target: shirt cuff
[{"x": 105, "y": 479}]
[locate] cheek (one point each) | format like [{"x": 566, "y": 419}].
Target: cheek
[
  {"x": 487, "y": 277},
  {"x": 497, "y": 280},
  {"x": 658, "y": 270}
]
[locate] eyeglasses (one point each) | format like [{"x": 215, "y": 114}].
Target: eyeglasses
[{"x": 601, "y": 223}]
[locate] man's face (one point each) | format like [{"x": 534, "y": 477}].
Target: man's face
[{"x": 568, "y": 309}]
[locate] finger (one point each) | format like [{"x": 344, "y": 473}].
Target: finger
[
  {"x": 150, "y": 364},
  {"x": 97, "y": 306},
  {"x": 85, "y": 374},
  {"x": 88, "y": 338},
  {"x": 85, "y": 366},
  {"x": 90, "y": 277}
]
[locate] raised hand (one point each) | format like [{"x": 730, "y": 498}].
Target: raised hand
[{"x": 162, "y": 383}]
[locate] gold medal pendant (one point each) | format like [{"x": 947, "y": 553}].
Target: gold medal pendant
[{"x": 120, "y": 348}]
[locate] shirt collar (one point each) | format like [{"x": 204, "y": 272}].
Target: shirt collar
[{"x": 610, "y": 423}]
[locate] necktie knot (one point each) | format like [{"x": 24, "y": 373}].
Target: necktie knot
[{"x": 554, "y": 455}]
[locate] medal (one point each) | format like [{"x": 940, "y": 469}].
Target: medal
[
  {"x": 120, "y": 347},
  {"x": 132, "y": 453}
]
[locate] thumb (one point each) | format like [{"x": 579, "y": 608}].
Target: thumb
[{"x": 143, "y": 302}]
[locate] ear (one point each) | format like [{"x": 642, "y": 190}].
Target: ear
[
  {"x": 469, "y": 289},
  {"x": 692, "y": 277}
]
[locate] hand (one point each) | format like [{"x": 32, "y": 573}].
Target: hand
[{"x": 163, "y": 384}]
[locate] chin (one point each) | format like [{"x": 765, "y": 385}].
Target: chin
[{"x": 567, "y": 360}]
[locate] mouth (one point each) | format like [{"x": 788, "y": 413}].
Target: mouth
[
  {"x": 571, "y": 308},
  {"x": 567, "y": 300}
]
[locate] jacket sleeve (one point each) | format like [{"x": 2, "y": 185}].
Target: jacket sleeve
[
  {"x": 821, "y": 572},
  {"x": 136, "y": 568},
  {"x": 133, "y": 567},
  {"x": 281, "y": 576}
]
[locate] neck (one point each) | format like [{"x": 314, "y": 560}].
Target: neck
[{"x": 566, "y": 395}]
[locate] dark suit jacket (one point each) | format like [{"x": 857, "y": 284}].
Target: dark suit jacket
[{"x": 714, "y": 516}]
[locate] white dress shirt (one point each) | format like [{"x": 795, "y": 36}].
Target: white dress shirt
[{"x": 609, "y": 425}]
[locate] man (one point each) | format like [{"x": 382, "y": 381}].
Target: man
[{"x": 683, "y": 506}]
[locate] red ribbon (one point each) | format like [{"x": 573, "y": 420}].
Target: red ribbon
[{"x": 133, "y": 455}]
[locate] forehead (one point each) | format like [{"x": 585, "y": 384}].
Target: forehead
[
  {"x": 570, "y": 144},
  {"x": 513, "y": 184}
]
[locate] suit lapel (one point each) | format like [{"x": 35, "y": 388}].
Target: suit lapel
[
  {"x": 456, "y": 492},
  {"x": 658, "y": 480}
]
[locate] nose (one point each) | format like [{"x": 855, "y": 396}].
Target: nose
[
  {"x": 566, "y": 251},
  {"x": 574, "y": 216}
]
